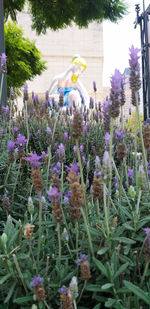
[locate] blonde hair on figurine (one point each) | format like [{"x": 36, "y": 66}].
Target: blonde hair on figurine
[{"x": 77, "y": 60}]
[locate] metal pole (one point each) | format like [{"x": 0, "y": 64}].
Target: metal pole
[
  {"x": 147, "y": 61},
  {"x": 2, "y": 50}
]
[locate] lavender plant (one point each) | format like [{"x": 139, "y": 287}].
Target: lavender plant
[{"x": 74, "y": 205}]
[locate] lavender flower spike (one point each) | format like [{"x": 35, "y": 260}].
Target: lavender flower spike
[
  {"x": 3, "y": 67},
  {"x": 115, "y": 94},
  {"x": 73, "y": 286},
  {"x": 36, "y": 280},
  {"x": 25, "y": 93},
  {"x": 147, "y": 232},
  {"x": 53, "y": 194},
  {"x": 135, "y": 82},
  {"x": 34, "y": 160}
]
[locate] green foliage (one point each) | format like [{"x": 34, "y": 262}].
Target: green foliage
[
  {"x": 59, "y": 14},
  {"x": 23, "y": 58},
  {"x": 120, "y": 263},
  {"x": 12, "y": 7}
]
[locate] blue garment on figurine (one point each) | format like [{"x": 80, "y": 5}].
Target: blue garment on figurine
[{"x": 66, "y": 91}]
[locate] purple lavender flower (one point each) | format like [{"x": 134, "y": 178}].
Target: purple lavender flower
[
  {"x": 106, "y": 167},
  {"x": 25, "y": 93},
  {"x": 5, "y": 109},
  {"x": 61, "y": 152},
  {"x": 130, "y": 173},
  {"x": 36, "y": 99},
  {"x": 11, "y": 93},
  {"x": 81, "y": 148},
  {"x": 15, "y": 129},
  {"x": 38, "y": 133},
  {"x": 91, "y": 103},
  {"x": 120, "y": 134},
  {"x": 55, "y": 168},
  {"x": 63, "y": 290},
  {"x": 11, "y": 145},
  {"x": 65, "y": 235},
  {"x": 115, "y": 94},
  {"x": 67, "y": 198},
  {"x": 48, "y": 131},
  {"x": 21, "y": 140},
  {"x": 106, "y": 116},
  {"x": 73, "y": 286},
  {"x": 83, "y": 257},
  {"x": 65, "y": 136},
  {"x": 131, "y": 137},
  {"x": 135, "y": 82},
  {"x": 138, "y": 133},
  {"x": 97, "y": 163},
  {"x": 75, "y": 149},
  {"x": 107, "y": 140},
  {"x": 53, "y": 194},
  {"x": 3, "y": 67},
  {"x": 74, "y": 168},
  {"x": 34, "y": 160},
  {"x": 35, "y": 281},
  {"x": 94, "y": 86},
  {"x": 147, "y": 232}
]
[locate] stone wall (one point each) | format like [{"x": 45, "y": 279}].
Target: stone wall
[{"x": 58, "y": 47}]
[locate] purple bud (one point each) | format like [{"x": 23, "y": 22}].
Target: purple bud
[
  {"x": 3, "y": 67},
  {"x": 94, "y": 86}
]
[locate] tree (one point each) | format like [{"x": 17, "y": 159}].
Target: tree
[
  {"x": 23, "y": 57},
  {"x": 57, "y": 14}
]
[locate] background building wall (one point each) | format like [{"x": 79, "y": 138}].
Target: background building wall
[{"x": 58, "y": 47}]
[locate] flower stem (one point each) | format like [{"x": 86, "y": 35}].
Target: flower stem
[
  {"x": 136, "y": 173},
  {"x": 47, "y": 306},
  {"x": 31, "y": 252},
  {"x": 62, "y": 182},
  {"x": 10, "y": 120},
  {"x": 49, "y": 151},
  {"x": 145, "y": 271},
  {"x": 110, "y": 153},
  {"x": 84, "y": 285},
  {"x": 137, "y": 209},
  {"x": 27, "y": 125},
  {"x": 118, "y": 178},
  {"x": 81, "y": 173},
  {"x": 6, "y": 178},
  {"x": 19, "y": 272},
  {"x": 120, "y": 183},
  {"x": 88, "y": 232},
  {"x": 77, "y": 238},
  {"x": 142, "y": 142},
  {"x": 75, "y": 304},
  {"x": 2, "y": 79},
  {"x": 14, "y": 188},
  {"x": 106, "y": 213},
  {"x": 40, "y": 228},
  {"x": 59, "y": 242}
]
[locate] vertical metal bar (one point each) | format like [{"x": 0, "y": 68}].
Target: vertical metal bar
[
  {"x": 2, "y": 50},
  {"x": 147, "y": 62},
  {"x": 143, "y": 66}
]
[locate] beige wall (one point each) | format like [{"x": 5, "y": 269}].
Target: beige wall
[{"x": 58, "y": 48}]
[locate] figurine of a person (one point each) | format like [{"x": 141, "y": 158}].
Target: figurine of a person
[{"x": 69, "y": 84}]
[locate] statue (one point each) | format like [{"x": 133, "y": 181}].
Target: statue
[{"x": 69, "y": 85}]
